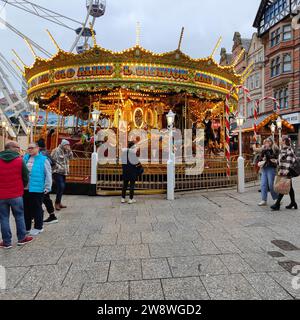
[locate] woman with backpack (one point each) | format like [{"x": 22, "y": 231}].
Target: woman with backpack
[{"x": 286, "y": 160}]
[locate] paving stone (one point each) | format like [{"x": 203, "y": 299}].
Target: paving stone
[
  {"x": 206, "y": 247},
  {"x": 78, "y": 256},
  {"x": 129, "y": 238},
  {"x": 267, "y": 288},
  {"x": 138, "y": 251},
  {"x": 175, "y": 249},
  {"x": 165, "y": 226},
  {"x": 18, "y": 294},
  {"x": 101, "y": 239},
  {"x": 137, "y": 227},
  {"x": 105, "y": 291},
  {"x": 125, "y": 270},
  {"x": 107, "y": 253},
  {"x": 80, "y": 274},
  {"x": 184, "y": 289},
  {"x": 156, "y": 237},
  {"x": 236, "y": 264},
  {"x": 232, "y": 287},
  {"x": 59, "y": 293},
  {"x": 196, "y": 266},
  {"x": 178, "y": 236},
  {"x": 285, "y": 280},
  {"x": 226, "y": 246},
  {"x": 261, "y": 262},
  {"x": 146, "y": 290},
  {"x": 155, "y": 269},
  {"x": 14, "y": 275},
  {"x": 42, "y": 257}
]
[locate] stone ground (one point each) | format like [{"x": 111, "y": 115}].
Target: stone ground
[{"x": 208, "y": 245}]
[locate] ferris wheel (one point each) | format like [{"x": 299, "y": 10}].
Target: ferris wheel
[{"x": 83, "y": 29}]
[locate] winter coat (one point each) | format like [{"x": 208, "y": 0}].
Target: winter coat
[
  {"x": 130, "y": 165},
  {"x": 287, "y": 157}
]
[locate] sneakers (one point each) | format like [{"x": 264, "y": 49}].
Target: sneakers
[
  {"x": 262, "y": 203},
  {"x": 4, "y": 246},
  {"x": 25, "y": 241},
  {"x": 51, "y": 220},
  {"x": 131, "y": 201},
  {"x": 35, "y": 232},
  {"x": 123, "y": 200}
]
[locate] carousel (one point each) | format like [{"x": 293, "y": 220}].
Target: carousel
[{"x": 135, "y": 89}]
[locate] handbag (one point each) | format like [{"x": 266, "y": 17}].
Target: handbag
[
  {"x": 282, "y": 185},
  {"x": 295, "y": 169},
  {"x": 140, "y": 170}
]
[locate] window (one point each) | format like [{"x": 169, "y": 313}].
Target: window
[
  {"x": 275, "y": 37},
  {"x": 257, "y": 81},
  {"x": 287, "y": 63},
  {"x": 275, "y": 9},
  {"x": 282, "y": 96},
  {"x": 275, "y": 67},
  {"x": 287, "y": 33}
]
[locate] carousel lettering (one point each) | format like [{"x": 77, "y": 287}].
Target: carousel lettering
[
  {"x": 156, "y": 72},
  {"x": 64, "y": 74},
  {"x": 40, "y": 80},
  {"x": 95, "y": 71}
]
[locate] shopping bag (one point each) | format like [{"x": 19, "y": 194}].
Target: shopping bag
[
  {"x": 295, "y": 169},
  {"x": 282, "y": 185}
]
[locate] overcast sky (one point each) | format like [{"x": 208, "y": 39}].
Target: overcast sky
[{"x": 161, "y": 22}]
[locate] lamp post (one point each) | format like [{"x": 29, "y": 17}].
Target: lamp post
[
  {"x": 31, "y": 118},
  {"x": 241, "y": 161},
  {"x": 3, "y": 125},
  {"x": 28, "y": 131},
  {"x": 171, "y": 162},
  {"x": 93, "y": 189},
  {"x": 279, "y": 126},
  {"x": 273, "y": 130}
]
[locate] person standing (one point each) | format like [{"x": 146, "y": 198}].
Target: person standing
[
  {"x": 47, "y": 198},
  {"x": 62, "y": 156},
  {"x": 13, "y": 178},
  {"x": 268, "y": 164},
  {"x": 131, "y": 170},
  {"x": 287, "y": 158},
  {"x": 40, "y": 183}
]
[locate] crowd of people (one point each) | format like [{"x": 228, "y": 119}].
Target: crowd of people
[
  {"x": 25, "y": 185},
  {"x": 276, "y": 161}
]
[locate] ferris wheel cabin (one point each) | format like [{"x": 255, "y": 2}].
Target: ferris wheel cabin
[{"x": 98, "y": 7}]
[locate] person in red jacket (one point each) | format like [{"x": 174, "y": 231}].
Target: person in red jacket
[{"x": 13, "y": 178}]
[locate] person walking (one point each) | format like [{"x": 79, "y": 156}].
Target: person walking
[
  {"x": 13, "y": 178},
  {"x": 131, "y": 170},
  {"x": 40, "y": 183},
  {"x": 268, "y": 164},
  {"x": 62, "y": 156},
  {"x": 287, "y": 158},
  {"x": 47, "y": 198}
]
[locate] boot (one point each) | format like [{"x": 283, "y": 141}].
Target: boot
[
  {"x": 276, "y": 207},
  {"x": 57, "y": 207},
  {"x": 293, "y": 205}
]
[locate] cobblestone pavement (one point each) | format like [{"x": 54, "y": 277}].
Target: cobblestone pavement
[{"x": 210, "y": 245}]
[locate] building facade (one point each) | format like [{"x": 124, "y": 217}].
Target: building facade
[{"x": 281, "y": 42}]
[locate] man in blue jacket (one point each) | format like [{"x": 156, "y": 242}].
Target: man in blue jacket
[{"x": 40, "y": 183}]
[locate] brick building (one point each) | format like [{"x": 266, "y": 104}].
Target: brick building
[{"x": 281, "y": 44}]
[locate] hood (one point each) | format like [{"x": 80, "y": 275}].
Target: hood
[{"x": 8, "y": 156}]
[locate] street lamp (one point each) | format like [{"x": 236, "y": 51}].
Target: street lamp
[
  {"x": 32, "y": 119},
  {"x": 171, "y": 162},
  {"x": 279, "y": 126},
  {"x": 273, "y": 130},
  {"x": 241, "y": 161},
  {"x": 95, "y": 116},
  {"x": 3, "y": 125}
]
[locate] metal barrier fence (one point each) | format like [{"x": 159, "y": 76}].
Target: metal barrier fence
[
  {"x": 155, "y": 176},
  {"x": 80, "y": 171}
]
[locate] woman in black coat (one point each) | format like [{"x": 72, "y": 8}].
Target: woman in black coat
[{"x": 131, "y": 170}]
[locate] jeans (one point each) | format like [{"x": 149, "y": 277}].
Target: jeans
[
  {"x": 33, "y": 210},
  {"x": 268, "y": 175},
  {"x": 17, "y": 207},
  {"x": 60, "y": 181},
  {"x": 48, "y": 203},
  {"x": 125, "y": 187}
]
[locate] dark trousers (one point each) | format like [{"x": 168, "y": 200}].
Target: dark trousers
[
  {"x": 60, "y": 181},
  {"x": 48, "y": 203},
  {"x": 33, "y": 209},
  {"x": 292, "y": 196},
  {"x": 125, "y": 187}
]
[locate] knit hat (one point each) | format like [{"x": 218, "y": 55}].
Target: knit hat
[{"x": 65, "y": 143}]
